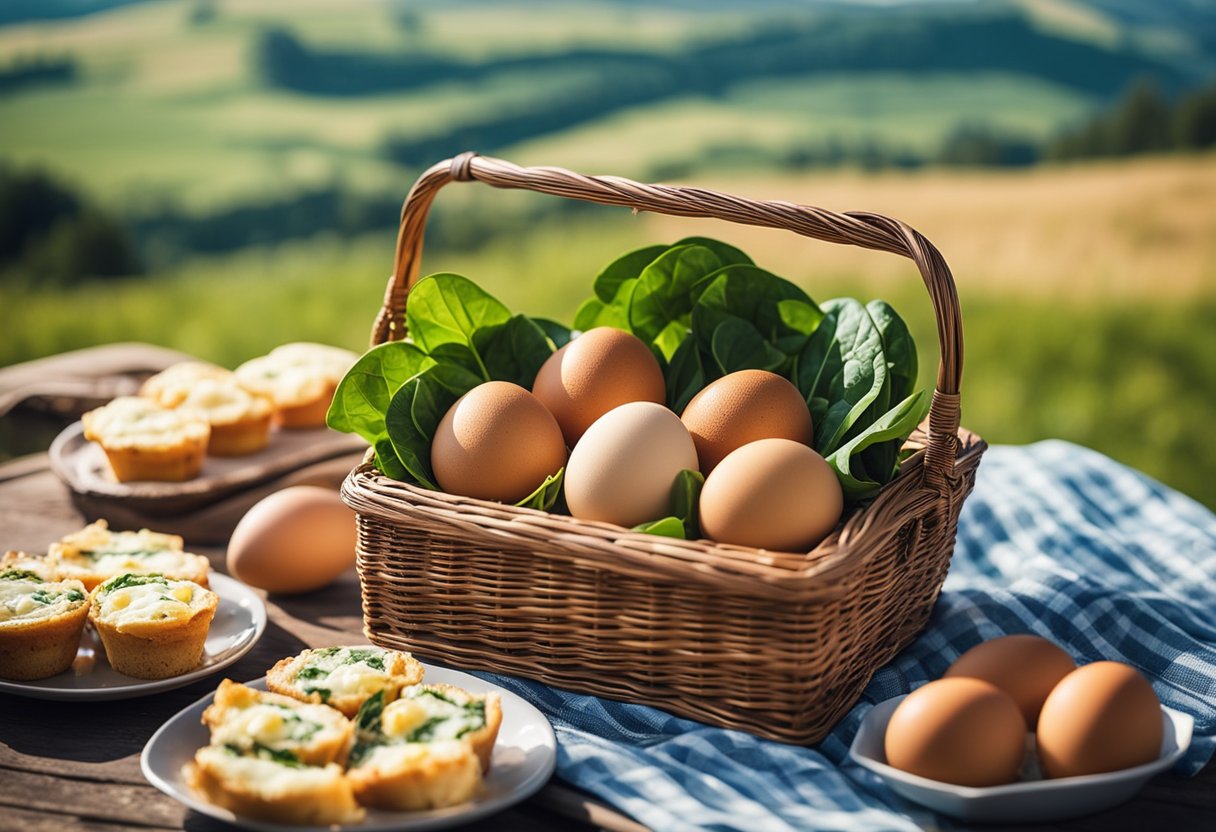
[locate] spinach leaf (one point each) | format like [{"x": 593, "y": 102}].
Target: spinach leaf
[
  {"x": 447, "y": 309},
  {"x": 127, "y": 579},
  {"x": 368, "y": 717},
  {"x": 728, "y": 254},
  {"x": 363, "y": 394},
  {"x": 761, "y": 299},
  {"x": 546, "y": 494},
  {"x": 666, "y": 527},
  {"x": 513, "y": 351},
  {"x": 557, "y": 333},
  {"x": 620, "y": 271},
  {"x": 736, "y": 345},
  {"x": 853, "y": 373},
  {"x": 686, "y": 500},
  {"x": 667, "y": 289},
  {"x": 898, "y": 346},
  {"x": 20, "y": 575},
  {"x": 370, "y": 657},
  {"x": 683, "y": 521},
  {"x": 685, "y": 375},
  {"x": 415, "y": 411},
  {"x": 387, "y": 461},
  {"x": 894, "y": 426}
]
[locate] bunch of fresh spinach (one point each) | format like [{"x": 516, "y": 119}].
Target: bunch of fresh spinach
[
  {"x": 706, "y": 311},
  {"x": 459, "y": 337}
]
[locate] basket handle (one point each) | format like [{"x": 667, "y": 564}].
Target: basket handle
[{"x": 858, "y": 228}]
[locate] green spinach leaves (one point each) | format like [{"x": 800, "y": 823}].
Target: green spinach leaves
[
  {"x": 460, "y": 336},
  {"x": 704, "y": 309}
]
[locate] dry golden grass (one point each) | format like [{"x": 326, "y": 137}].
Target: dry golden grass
[{"x": 1109, "y": 230}]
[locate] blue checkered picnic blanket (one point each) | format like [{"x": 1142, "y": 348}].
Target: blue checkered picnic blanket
[{"x": 1056, "y": 540}]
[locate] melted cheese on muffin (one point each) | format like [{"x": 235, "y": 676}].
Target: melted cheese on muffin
[
  {"x": 97, "y": 538},
  {"x": 225, "y": 403},
  {"x": 15, "y": 564},
  {"x": 343, "y": 671},
  {"x": 249, "y": 719},
  {"x": 133, "y": 422},
  {"x": 171, "y": 386},
  {"x": 95, "y": 553},
  {"x": 26, "y": 597},
  {"x": 270, "y": 776},
  {"x": 127, "y": 599},
  {"x": 427, "y": 714},
  {"x": 296, "y": 373}
]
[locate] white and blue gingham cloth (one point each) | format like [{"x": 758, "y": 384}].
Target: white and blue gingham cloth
[{"x": 1055, "y": 540}]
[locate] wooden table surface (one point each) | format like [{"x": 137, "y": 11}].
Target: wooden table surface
[{"x": 68, "y": 766}]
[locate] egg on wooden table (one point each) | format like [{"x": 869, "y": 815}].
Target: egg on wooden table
[
  {"x": 774, "y": 494},
  {"x": 1024, "y": 666},
  {"x": 599, "y": 370},
  {"x": 295, "y": 540},
  {"x": 961, "y": 731},
  {"x": 1101, "y": 717},
  {"x": 742, "y": 407},
  {"x": 623, "y": 468}
]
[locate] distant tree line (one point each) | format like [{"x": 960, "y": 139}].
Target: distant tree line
[
  {"x": 1144, "y": 121},
  {"x": 26, "y": 71},
  {"x": 49, "y": 233}
]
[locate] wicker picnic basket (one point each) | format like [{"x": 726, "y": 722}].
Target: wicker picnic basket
[{"x": 780, "y": 645}]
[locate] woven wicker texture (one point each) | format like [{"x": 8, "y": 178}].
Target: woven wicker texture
[{"x": 777, "y": 644}]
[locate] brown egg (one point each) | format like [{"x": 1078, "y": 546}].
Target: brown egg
[
  {"x": 1101, "y": 717},
  {"x": 295, "y": 540},
  {"x": 1025, "y": 667},
  {"x": 497, "y": 442},
  {"x": 743, "y": 407},
  {"x": 961, "y": 731},
  {"x": 773, "y": 494},
  {"x": 623, "y": 468},
  {"x": 601, "y": 369}
]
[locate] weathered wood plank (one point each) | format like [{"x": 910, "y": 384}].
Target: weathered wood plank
[
  {"x": 21, "y": 820},
  {"x": 88, "y": 800}
]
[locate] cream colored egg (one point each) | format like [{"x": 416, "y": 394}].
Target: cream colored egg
[
  {"x": 295, "y": 540},
  {"x": 772, "y": 494},
  {"x": 622, "y": 469}
]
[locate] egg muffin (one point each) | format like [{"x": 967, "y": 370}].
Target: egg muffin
[
  {"x": 273, "y": 786},
  {"x": 403, "y": 760},
  {"x": 299, "y": 378},
  {"x": 250, "y": 720},
  {"x": 344, "y": 677},
  {"x": 40, "y": 624},
  {"x": 95, "y": 554},
  {"x": 39, "y": 566},
  {"x": 144, "y": 441},
  {"x": 152, "y": 627},
  {"x": 434, "y": 712},
  {"x": 240, "y": 420},
  {"x": 171, "y": 386}
]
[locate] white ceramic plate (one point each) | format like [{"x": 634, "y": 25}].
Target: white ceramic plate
[
  {"x": 1027, "y": 801},
  {"x": 524, "y": 758},
  {"x": 239, "y": 621}
]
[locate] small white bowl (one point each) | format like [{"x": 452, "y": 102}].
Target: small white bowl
[{"x": 1026, "y": 801}]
